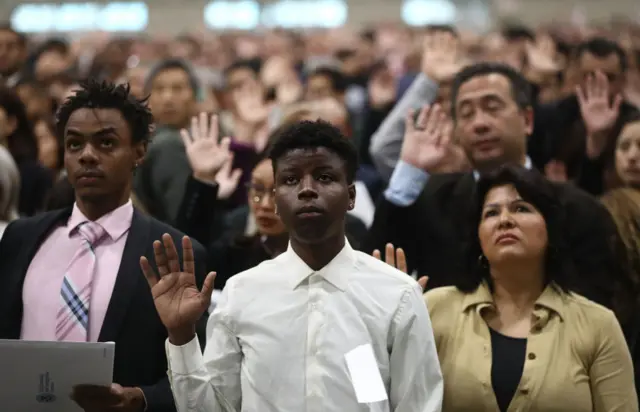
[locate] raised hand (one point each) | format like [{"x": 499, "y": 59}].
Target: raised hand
[
  {"x": 440, "y": 56},
  {"x": 397, "y": 259},
  {"x": 598, "y": 112},
  {"x": 206, "y": 155},
  {"x": 177, "y": 299},
  {"x": 382, "y": 88},
  {"x": 427, "y": 141},
  {"x": 227, "y": 179}
]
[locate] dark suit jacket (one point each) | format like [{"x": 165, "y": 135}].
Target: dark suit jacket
[
  {"x": 132, "y": 321},
  {"x": 434, "y": 230}
]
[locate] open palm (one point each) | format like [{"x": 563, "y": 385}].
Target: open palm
[
  {"x": 176, "y": 296},
  {"x": 205, "y": 153},
  {"x": 426, "y": 143},
  {"x": 598, "y": 113}
]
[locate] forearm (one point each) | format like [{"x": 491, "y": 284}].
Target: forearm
[
  {"x": 191, "y": 383},
  {"x": 387, "y": 141}
]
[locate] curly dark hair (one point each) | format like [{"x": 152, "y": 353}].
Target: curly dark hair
[
  {"x": 542, "y": 194},
  {"x": 106, "y": 95},
  {"x": 308, "y": 134}
]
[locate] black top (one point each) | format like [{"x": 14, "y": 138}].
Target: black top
[{"x": 506, "y": 367}]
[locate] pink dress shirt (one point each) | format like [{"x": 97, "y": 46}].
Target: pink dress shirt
[{"x": 41, "y": 291}]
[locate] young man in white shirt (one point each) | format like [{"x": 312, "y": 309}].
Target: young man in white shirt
[{"x": 282, "y": 335}]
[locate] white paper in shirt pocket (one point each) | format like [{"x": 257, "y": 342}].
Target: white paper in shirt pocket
[{"x": 365, "y": 375}]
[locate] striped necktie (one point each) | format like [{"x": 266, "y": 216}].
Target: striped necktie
[{"x": 75, "y": 294}]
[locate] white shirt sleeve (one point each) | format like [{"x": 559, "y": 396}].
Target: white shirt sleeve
[
  {"x": 208, "y": 382},
  {"x": 416, "y": 378}
]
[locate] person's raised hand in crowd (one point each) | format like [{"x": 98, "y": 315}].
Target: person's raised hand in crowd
[
  {"x": 227, "y": 179},
  {"x": 440, "y": 56},
  {"x": 175, "y": 294},
  {"x": 398, "y": 259},
  {"x": 206, "y": 153},
  {"x": 599, "y": 112},
  {"x": 382, "y": 88},
  {"x": 113, "y": 398},
  {"x": 427, "y": 140}
]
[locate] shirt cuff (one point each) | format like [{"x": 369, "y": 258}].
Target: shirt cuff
[
  {"x": 406, "y": 184},
  {"x": 185, "y": 359}
]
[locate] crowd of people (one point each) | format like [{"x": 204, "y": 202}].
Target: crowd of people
[{"x": 463, "y": 209}]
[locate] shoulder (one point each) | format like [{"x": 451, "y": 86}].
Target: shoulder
[
  {"x": 442, "y": 298},
  {"x": 580, "y": 309}
]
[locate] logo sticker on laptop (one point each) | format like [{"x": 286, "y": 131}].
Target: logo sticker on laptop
[{"x": 46, "y": 389}]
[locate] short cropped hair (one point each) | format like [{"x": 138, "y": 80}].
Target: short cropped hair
[
  {"x": 106, "y": 95},
  {"x": 520, "y": 87},
  {"x": 172, "y": 64},
  {"x": 338, "y": 80},
  {"x": 602, "y": 48},
  {"x": 315, "y": 134}
]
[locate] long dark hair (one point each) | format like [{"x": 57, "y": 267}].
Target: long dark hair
[
  {"x": 22, "y": 143},
  {"x": 542, "y": 194}
]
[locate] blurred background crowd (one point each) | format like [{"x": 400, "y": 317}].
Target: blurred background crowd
[{"x": 352, "y": 63}]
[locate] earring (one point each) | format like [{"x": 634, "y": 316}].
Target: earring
[{"x": 482, "y": 261}]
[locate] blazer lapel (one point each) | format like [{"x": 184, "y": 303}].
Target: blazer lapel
[{"x": 129, "y": 274}]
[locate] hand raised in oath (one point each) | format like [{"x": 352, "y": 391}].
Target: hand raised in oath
[{"x": 178, "y": 301}]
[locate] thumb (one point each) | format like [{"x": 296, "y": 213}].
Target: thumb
[
  {"x": 207, "y": 286},
  {"x": 235, "y": 176},
  {"x": 116, "y": 389},
  {"x": 617, "y": 101},
  {"x": 423, "y": 282}
]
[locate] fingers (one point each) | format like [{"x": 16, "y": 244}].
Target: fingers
[
  {"x": 203, "y": 125},
  {"x": 235, "y": 176},
  {"x": 173, "y": 262},
  {"x": 447, "y": 132},
  {"x": 148, "y": 272},
  {"x": 186, "y": 137},
  {"x": 423, "y": 282},
  {"x": 213, "y": 128},
  {"x": 389, "y": 255},
  {"x": 225, "y": 143},
  {"x": 195, "y": 128},
  {"x": 207, "y": 286},
  {"x": 160, "y": 257},
  {"x": 581, "y": 95},
  {"x": 376, "y": 254},
  {"x": 423, "y": 117},
  {"x": 401, "y": 260},
  {"x": 409, "y": 123},
  {"x": 188, "y": 261},
  {"x": 617, "y": 101}
]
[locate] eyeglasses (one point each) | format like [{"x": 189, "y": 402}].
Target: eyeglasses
[{"x": 258, "y": 192}]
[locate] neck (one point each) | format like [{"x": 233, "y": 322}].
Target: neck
[
  {"x": 517, "y": 287},
  {"x": 318, "y": 255},
  {"x": 95, "y": 208},
  {"x": 276, "y": 244},
  {"x": 490, "y": 167}
]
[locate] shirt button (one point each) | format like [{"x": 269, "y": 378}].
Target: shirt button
[{"x": 531, "y": 356}]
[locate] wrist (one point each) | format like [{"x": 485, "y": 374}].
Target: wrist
[
  {"x": 595, "y": 145},
  {"x": 180, "y": 337},
  {"x": 209, "y": 178},
  {"x": 140, "y": 401}
]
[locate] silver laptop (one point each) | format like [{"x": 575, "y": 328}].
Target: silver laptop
[{"x": 39, "y": 376}]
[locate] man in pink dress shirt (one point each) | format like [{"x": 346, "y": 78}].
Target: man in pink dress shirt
[{"x": 105, "y": 133}]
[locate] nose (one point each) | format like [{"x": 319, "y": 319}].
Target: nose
[
  {"x": 266, "y": 201},
  {"x": 506, "y": 220},
  {"x": 634, "y": 154},
  {"x": 88, "y": 155},
  {"x": 307, "y": 189},
  {"x": 480, "y": 123}
]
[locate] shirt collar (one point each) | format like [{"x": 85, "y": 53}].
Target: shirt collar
[
  {"x": 527, "y": 165},
  {"x": 116, "y": 223},
  {"x": 551, "y": 299},
  {"x": 334, "y": 272}
]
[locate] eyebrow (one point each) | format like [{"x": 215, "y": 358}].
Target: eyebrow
[
  {"x": 518, "y": 200},
  {"x": 102, "y": 132}
]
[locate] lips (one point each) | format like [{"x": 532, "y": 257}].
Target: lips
[
  {"x": 90, "y": 175},
  {"x": 505, "y": 237},
  {"x": 309, "y": 211}
]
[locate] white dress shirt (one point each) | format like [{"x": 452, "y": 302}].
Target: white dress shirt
[{"x": 278, "y": 338}]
